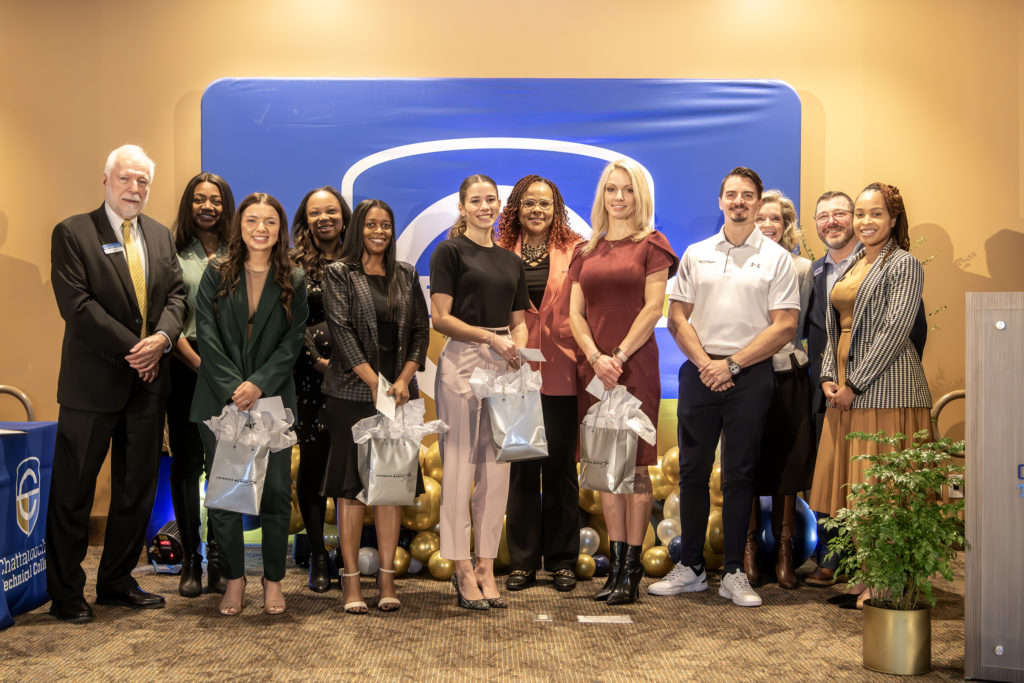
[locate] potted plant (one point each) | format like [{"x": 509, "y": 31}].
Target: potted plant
[{"x": 894, "y": 537}]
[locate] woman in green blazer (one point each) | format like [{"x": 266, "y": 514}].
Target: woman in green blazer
[{"x": 250, "y": 321}]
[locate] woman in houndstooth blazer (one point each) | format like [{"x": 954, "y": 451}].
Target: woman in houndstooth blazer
[
  {"x": 871, "y": 374},
  {"x": 377, "y": 318}
]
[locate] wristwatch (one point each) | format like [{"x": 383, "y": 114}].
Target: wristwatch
[
  {"x": 620, "y": 354},
  {"x": 734, "y": 367}
]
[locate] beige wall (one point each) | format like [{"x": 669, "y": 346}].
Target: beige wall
[{"x": 924, "y": 94}]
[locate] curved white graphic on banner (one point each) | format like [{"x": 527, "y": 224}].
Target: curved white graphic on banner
[
  {"x": 440, "y": 215},
  {"x": 459, "y": 144}
]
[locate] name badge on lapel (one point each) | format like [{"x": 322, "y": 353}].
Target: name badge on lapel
[{"x": 113, "y": 248}]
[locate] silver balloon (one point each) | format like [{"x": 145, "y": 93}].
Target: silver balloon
[
  {"x": 668, "y": 529},
  {"x": 672, "y": 506},
  {"x": 589, "y": 540},
  {"x": 369, "y": 561}
]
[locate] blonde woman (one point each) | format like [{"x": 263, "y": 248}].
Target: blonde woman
[{"x": 618, "y": 291}]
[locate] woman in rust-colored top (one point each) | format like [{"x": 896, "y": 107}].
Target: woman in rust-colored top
[{"x": 618, "y": 292}]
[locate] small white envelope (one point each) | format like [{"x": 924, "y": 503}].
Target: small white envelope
[
  {"x": 271, "y": 404},
  {"x": 385, "y": 404},
  {"x": 532, "y": 355},
  {"x": 596, "y": 388}
]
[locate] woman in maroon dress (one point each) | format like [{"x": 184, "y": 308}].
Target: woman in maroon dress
[{"x": 618, "y": 293}]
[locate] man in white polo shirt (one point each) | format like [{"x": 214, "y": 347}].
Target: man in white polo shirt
[{"x": 735, "y": 303}]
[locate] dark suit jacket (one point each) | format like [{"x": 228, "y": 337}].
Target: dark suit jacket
[
  {"x": 817, "y": 339},
  {"x": 230, "y": 357},
  {"x": 352, "y": 321},
  {"x": 102, "y": 320}
]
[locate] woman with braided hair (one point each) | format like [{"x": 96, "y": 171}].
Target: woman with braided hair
[
  {"x": 871, "y": 374},
  {"x": 535, "y": 225}
]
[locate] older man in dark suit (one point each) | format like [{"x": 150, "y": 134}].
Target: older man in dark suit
[
  {"x": 833, "y": 218},
  {"x": 119, "y": 290}
]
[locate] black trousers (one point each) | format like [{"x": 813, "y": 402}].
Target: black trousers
[
  {"x": 313, "y": 506},
  {"x": 134, "y": 436},
  {"x": 187, "y": 456},
  {"x": 547, "y": 524},
  {"x": 738, "y": 415}
]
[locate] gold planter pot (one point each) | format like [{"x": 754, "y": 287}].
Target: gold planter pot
[{"x": 898, "y": 641}]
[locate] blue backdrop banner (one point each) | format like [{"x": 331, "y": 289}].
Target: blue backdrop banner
[{"x": 411, "y": 142}]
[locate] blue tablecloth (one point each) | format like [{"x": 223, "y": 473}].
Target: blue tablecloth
[{"x": 26, "y": 462}]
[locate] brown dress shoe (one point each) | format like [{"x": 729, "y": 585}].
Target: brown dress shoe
[{"x": 821, "y": 577}]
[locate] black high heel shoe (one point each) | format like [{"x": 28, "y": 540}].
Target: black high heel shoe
[
  {"x": 468, "y": 604},
  {"x": 616, "y": 553},
  {"x": 628, "y": 587}
]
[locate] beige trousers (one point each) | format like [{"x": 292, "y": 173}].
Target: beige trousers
[{"x": 467, "y": 452}]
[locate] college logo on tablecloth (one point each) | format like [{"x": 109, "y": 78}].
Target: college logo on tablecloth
[{"x": 26, "y": 498}]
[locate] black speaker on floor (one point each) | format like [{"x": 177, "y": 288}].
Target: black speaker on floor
[{"x": 165, "y": 549}]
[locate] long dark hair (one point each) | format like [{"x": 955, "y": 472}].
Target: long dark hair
[
  {"x": 560, "y": 236},
  {"x": 234, "y": 260},
  {"x": 352, "y": 249},
  {"x": 306, "y": 255},
  {"x": 460, "y": 223},
  {"x": 185, "y": 223}
]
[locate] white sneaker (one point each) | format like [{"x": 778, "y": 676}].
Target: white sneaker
[
  {"x": 736, "y": 587},
  {"x": 681, "y": 579}
]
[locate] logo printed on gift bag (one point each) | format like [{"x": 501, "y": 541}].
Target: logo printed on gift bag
[{"x": 26, "y": 498}]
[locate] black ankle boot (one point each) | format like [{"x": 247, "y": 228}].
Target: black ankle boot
[
  {"x": 185, "y": 499},
  {"x": 319, "y": 572},
  {"x": 628, "y": 586},
  {"x": 216, "y": 582},
  {"x": 616, "y": 554}
]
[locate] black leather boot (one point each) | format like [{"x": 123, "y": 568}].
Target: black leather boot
[
  {"x": 617, "y": 554},
  {"x": 750, "y": 550},
  {"x": 628, "y": 585},
  {"x": 319, "y": 572},
  {"x": 216, "y": 582},
  {"x": 185, "y": 499}
]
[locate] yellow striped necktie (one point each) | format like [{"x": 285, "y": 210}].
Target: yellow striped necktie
[{"x": 131, "y": 252}]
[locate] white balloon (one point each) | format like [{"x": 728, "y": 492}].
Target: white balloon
[
  {"x": 671, "y": 509},
  {"x": 589, "y": 540},
  {"x": 415, "y": 566},
  {"x": 668, "y": 529},
  {"x": 369, "y": 561}
]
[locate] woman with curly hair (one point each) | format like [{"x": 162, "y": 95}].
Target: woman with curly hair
[
  {"x": 871, "y": 374},
  {"x": 251, "y": 318},
  {"x": 786, "y": 465},
  {"x": 205, "y": 213},
  {"x": 535, "y": 225},
  {"x": 317, "y": 230}
]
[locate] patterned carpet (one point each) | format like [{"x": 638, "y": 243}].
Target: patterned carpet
[{"x": 795, "y": 636}]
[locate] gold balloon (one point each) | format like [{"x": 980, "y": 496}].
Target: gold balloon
[
  {"x": 425, "y": 510},
  {"x": 431, "y": 458},
  {"x": 590, "y": 501},
  {"x": 439, "y": 567},
  {"x": 401, "y": 561},
  {"x": 295, "y": 523},
  {"x": 295, "y": 462},
  {"x": 712, "y": 561},
  {"x": 715, "y": 485},
  {"x": 331, "y": 515},
  {"x": 715, "y": 537},
  {"x": 670, "y": 465},
  {"x": 656, "y": 561},
  {"x": 585, "y": 567},
  {"x": 659, "y": 484},
  {"x": 650, "y": 538},
  {"x": 597, "y": 523},
  {"x": 504, "y": 559},
  {"x": 424, "y": 544},
  {"x": 368, "y": 515},
  {"x": 435, "y": 473}
]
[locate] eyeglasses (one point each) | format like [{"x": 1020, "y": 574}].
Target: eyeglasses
[
  {"x": 836, "y": 215},
  {"x": 544, "y": 204}
]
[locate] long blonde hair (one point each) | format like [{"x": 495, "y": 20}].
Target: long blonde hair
[
  {"x": 643, "y": 214},
  {"x": 791, "y": 230},
  {"x": 460, "y": 224}
]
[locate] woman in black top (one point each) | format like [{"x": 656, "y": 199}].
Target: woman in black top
[
  {"x": 317, "y": 228},
  {"x": 478, "y": 299},
  {"x": 392, "y": 344}
]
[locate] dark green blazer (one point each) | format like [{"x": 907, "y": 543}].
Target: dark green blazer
[{"x": 229, "y": 358}]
